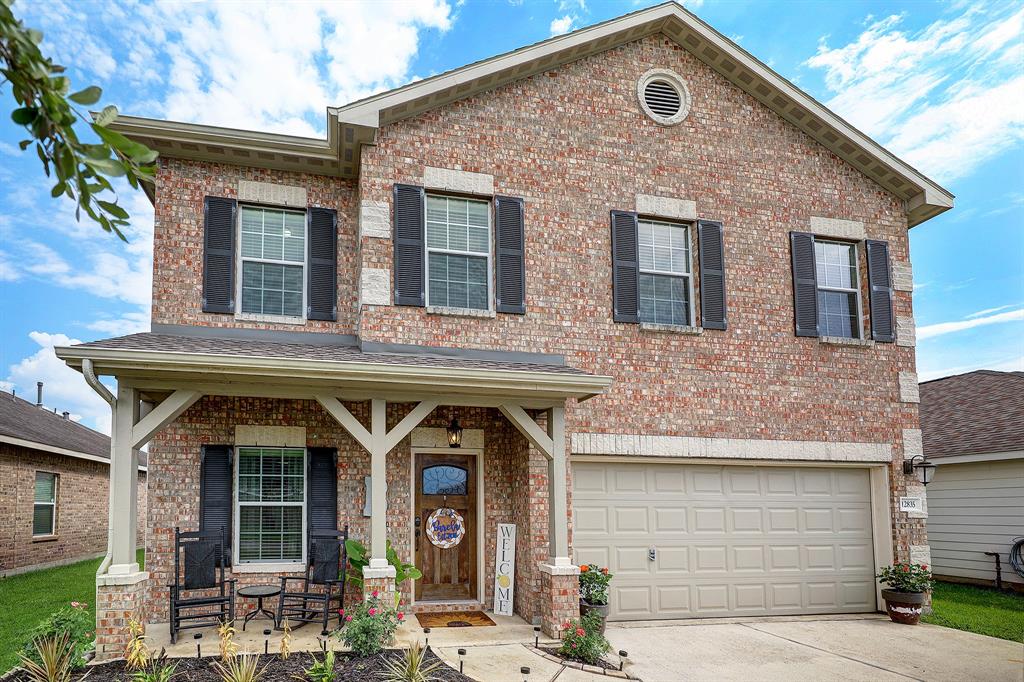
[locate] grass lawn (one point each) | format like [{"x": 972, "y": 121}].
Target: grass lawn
[
  {"x": 978, "y": 609},
  {"x": 29, "y": 598}
]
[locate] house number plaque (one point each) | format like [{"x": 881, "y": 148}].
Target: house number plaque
[{"x": 445, "y": 527}]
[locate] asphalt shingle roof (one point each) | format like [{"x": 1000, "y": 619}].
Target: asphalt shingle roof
[
  {"x": 22, "y": 419},
  {"x": 974, "y": 413},
  {"x": 171, "y": 343}
]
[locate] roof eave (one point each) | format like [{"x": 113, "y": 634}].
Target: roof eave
[{"x": 361, "y": 377}]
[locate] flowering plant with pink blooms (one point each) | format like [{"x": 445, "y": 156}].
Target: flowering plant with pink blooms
[
  {"x": 582, "y": 639},
  {"x": 370, "y": 626},
  {"x": 907, "y": 577}
]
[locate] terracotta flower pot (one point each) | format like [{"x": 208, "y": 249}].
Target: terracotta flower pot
[
  {"x": 600, "y": 609},
  {"x": 904, "y": 607}
]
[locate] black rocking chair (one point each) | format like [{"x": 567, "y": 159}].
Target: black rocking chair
[
  {"x": 325, "y": 568},
  {"x": 201, "y": 596}
]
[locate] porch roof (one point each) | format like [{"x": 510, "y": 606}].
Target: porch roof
[{"x": 235, "y": 366}]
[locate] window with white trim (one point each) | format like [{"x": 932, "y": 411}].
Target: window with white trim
[
  {"x": 273, "y": 262},
  {"x": 665, "y": 282},
  {"x": 458, "y": 252},
  {"x": 271, "y": 504},
  {"x": 838, "y": 289},
  {"x": 44, "y": 507}
]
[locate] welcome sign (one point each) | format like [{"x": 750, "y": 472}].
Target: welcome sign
[
  {"x": 505, "y": 569},
  {"x": 445, "y": 527}
]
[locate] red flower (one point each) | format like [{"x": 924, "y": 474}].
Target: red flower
[
  {"x": 574, "y": 645},
  {"x": 906, "y": 569},
  {"x": 375, "y": 593},
  {"x": 581, "y": 632},
  {"x": 400, "y": 615},
  {"x": 348, "y": 619},
  {"x": 566, "y": 625},
  {"x": 605, "y": 571},
  {"x": 584, "y": 568},
  {"x": 924, "y": 567},
  {"x": 372, "y": 612},
  {"x": 341, "y": 612}
]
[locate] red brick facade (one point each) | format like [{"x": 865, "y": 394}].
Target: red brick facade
[
  {"x": 82, "y": 505},
  {"x": 574, "y": 144}
]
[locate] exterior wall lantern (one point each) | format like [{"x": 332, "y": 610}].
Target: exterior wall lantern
[
  {"x": 454, "y": 434},
  {"x": 924, "y": 469}
]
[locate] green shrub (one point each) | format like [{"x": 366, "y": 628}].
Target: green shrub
[
  {"x": 72, "y": 620},
  {"x": 52, "y": 659},
  {"x": 594, "y": 584},
  {"x": 412, "y": 666},
  {"x": 322, "y": 670},
  {"x": 583, "y": 641},
  {"x": 907, "y": 577},
  {"x": 370, "y": 626}
]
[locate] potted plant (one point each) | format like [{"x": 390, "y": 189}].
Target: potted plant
[
  {"x": 594, "y": 592},
  {"x": 909, "y": 585}
]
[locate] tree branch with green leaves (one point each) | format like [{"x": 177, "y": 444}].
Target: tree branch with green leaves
[{"x": 46, "y": 109}]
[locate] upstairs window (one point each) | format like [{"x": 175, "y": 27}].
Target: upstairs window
[
  {"x": 458, "y": 235},
  {"x": 273, "y": 262},
  {"x": 44, "y": 509},
  {"x": 838, "y": 289},
  {"x": 664, "y": 278}
]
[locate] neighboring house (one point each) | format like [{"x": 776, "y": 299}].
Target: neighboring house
[
  {"x": 53, "y": 488},
  {"x": 973, "y": 427},
  {"x": 666, "y": 294}
]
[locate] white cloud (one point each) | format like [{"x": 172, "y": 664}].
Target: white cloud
[
  {"x": 946, "y": 98},
  {"x": 63, "y": 387},
  {"x": 8, "y": 271},
  {"x": 1009, "y": 364},
  {"x": 988, "y": 311},
  {"x": 932, "y": 330},
  {"x": 562, "y": 25},
  {"x": 129, "y": 323}
]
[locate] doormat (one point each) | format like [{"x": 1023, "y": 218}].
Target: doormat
[{"x": 454, "y": 619}]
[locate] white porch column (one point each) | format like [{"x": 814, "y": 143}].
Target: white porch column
[
  {"x": 378, "y": 485},
  {"x": 558, "y": 509},
  {"x": 124, "y": 467}
]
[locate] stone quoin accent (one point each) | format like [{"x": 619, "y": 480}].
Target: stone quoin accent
[
  {"x": 902, "y": 277},
  {"x": 909, "y": 392},
  {"x": 906, "y": 332},
  {"x": 375, "y": 219},
  {"x": 921, "y": 554},
  {"x": 375, "y": 287}
]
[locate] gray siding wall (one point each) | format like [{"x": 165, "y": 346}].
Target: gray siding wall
[{"x": 975, "y": 508}]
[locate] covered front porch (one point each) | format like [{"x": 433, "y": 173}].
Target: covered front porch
[{"x": 385, "y": 416}]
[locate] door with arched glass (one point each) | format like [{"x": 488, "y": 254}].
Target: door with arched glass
[{"x": 445, "y": 527}]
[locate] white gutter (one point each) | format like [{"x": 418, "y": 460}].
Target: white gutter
[{"x": 104, "y": 392}]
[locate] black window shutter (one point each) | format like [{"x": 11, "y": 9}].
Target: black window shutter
[
  {"x": 805, "y": 284},
  {"x": 322, "y": 291},
  {"x": 218, "y": 255},
  {"x": 625, "y": 268},
  {"x": 712, "y": 274},
  {"x": 880, "y": 287},
  {"x": 510, "y": 266},
  {"x": 323, "y": 489},
  {"x": 409, "y": 245},
  {"x": 215, "y": 498}
]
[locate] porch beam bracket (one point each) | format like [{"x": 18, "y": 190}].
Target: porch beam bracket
[
  {"x": 345, "y": 418},
  {"x": 162, "y": 415},
  {"x": 410, "y": 422},
  {"x": 529, "y": 428}
]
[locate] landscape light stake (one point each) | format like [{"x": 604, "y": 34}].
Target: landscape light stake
[
  {"x": 525, "y": 672},
  {"x": 536, "y": 636},
  {"x": 199, "y": 647},
  {"x": 462, "y": 652},
  {"x": 266, "y": 642},
  {"x": 426, "y": 631},
  {"x": 622, "y": 658}
]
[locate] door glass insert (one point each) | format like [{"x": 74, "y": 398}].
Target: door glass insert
[{"x": 444, "y": 480}]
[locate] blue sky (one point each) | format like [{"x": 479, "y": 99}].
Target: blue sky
[{"x": 939, "y": 83}]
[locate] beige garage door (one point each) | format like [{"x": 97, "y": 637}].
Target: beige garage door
[{"x": 689, "y": 541}]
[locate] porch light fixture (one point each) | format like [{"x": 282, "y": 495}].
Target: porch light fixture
[
  {"x": 925, "y": 469},
  {"x": 454, "y": 434}
]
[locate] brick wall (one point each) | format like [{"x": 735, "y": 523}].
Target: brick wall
[{"x": 82, "y": 505}]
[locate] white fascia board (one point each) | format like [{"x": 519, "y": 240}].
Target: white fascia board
[
  {"x": 21, "y": 442},
  {"x": 980, "y": 457},
  {"x": 442, "y": 380}
]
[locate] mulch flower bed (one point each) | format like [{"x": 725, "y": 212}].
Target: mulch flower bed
[
  {"x": 347, "y": 668},
  {"x": 601, "y": 663}
]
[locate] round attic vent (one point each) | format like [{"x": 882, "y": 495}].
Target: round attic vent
[{"x": 664, "y": 96}]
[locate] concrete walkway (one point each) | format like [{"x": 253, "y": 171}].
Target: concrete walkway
[{"x": 813, "y": 649}]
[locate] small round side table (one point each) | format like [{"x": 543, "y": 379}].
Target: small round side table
[{"x": 259, "y": 593}]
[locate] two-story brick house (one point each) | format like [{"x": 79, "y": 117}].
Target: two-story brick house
[{"x": 664, "y": 293}]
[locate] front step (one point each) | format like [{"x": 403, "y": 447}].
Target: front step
[{"x": 444, "y": 606}]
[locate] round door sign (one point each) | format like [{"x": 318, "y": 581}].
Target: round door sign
[{"x": 445, "y": 527}]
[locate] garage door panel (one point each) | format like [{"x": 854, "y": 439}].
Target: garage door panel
[{"x": 728, "y": 540}]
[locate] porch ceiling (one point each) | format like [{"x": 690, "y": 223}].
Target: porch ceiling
[{"x": 156, "y": 363}]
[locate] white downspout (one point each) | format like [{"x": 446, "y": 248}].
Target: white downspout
[{"x": 104, "y": 392}]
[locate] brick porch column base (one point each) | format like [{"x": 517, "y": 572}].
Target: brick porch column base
[
  {"x": 381, "y": 580},
  {"x": 559, "y": 597},
  {"x": 119, "y": 598}
]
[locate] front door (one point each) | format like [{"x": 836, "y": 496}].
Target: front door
[{"x": 446, "y": 549}]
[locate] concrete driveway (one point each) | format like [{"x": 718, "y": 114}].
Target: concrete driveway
[{"x": 813, "y": 648}]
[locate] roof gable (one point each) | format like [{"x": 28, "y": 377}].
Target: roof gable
[{"x": 353, "y": 125}]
